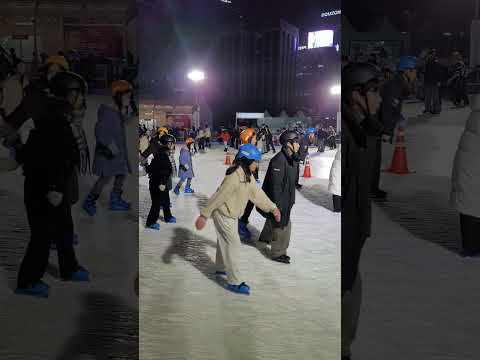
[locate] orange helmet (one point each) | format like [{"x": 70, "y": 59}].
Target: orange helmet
[
  {"x": 120, "y": 86},
  {"x": 189, "y": 141},
  {"x": 162, "y": 130},
  {"x": 247, "y": 135},
  {"x": 58, "y": 60}
]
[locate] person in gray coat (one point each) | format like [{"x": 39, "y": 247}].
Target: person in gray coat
[
  {"x": 111, "y": 152},
  {"x": 185, "y": 171}
]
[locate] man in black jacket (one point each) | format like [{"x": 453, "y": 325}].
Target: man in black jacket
[
  {"x": 305, "y": 142},
  {"x": 51, "y": 158},
  {"x": 432, "y": 82},
  {"x": 393, "y": 94},
  {"x": 279, "y": 185},
  {"x": 360, "y": 128}
]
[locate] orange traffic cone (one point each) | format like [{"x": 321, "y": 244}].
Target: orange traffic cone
[
  {"x": 306, "y": 170},
  {"x": 228, "y": 160},
  {"x": 399, "y": 161}
]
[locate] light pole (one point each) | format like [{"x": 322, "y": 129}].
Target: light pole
[
  {"x": 336, "y": 90},
  {"x": 197, "y": 76}
]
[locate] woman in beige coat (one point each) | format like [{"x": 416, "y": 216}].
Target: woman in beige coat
[{"x": 227, "y": 205}]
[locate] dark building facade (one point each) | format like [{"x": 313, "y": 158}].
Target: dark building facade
[{"x": 256, "y": 65}]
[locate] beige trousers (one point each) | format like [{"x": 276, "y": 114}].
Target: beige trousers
[{"x": 228, "y": 246}]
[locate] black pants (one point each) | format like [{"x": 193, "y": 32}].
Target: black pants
[
  {"x": 377, "y": 164},
  {"x": 160, "y": 199},
  {"x": 460, "y": 91},
  {"x": 247, "y": 212},
  {"x": 201, "y": 144},
  {"x": 337, "y": 203},
  {"x": 470, "y": 227},
  {"x": 207, "y": 142},
  {"x": 47, "y": 223},
  {"x": 321, "y": 145},
  {"x": 269, "y": 141}
]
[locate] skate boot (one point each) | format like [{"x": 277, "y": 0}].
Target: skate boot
[
  {"x": 155, "y": 226},
  {"x": 239, "y": 289},
  {"x": 188, "y": 190},
  {"x": 117, "y": 203},
  {"x": 282, "y": 259},
  {"x": 81, "y": 275},
  {"x": 40, "y": 289},
  {"x": 89, "y": 204},
  {"x": 243, "y": 231},
  {"x": 221, "y": 273},
  {"x": 177, "y": 190},
  {"x": 172, "y": 220}
]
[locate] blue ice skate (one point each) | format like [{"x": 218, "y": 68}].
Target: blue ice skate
[
  {"x": 243, "y": 231},
  {"x": 117, "y": 203},
  {"x": 221, "y": 273},
  {"x": 81, "y": 275},
  {"x": 172, "y": 220},
  {"x": 176, "y": 190},
  {"x": 89, "y": 205},
  {"x": 239, "y": 289},
  {"x": 40, "y": 289},
  {"x": 189, "y": 190},
  {"x": 155, "y": 226}
]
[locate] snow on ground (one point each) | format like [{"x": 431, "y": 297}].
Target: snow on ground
[
  {"x": 420, "y": 298},
  {"x": 78, "y": 321},
  {"x": 293, "y": 311}
]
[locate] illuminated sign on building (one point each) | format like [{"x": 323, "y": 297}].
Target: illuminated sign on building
[
  {"x": 302, "y": 47},
  {"x": 322, "y": 38},
  {"x": 331, "y": 13},
  {"x": 226, "y": 1}
]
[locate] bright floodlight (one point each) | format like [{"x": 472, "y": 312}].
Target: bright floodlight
[
  {"x": 196, "y": 75},
  {"x": 336, "y": 90}
]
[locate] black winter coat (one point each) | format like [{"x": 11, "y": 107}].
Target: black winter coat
[
  {"x": 160, "y": 169},
  {"x": 32, "y": 106},
  {"x": 51, "y": 157},
  {"x": 279, "y": 186},
  {"x": 358, "y": 154},
  {"x": 393, "y": 93}
]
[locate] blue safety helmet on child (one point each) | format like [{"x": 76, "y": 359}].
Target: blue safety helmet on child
[{"x": 249, "y": 151}]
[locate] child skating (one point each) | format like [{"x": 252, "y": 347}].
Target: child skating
[
  {"x": 185, "y": 171},
  {"x": 225, "y": 207},
  {"x": 160, "y": 175},
  {"x": 111, "y": 153}
]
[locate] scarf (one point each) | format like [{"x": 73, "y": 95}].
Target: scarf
[{"x": 82, "y": 144}]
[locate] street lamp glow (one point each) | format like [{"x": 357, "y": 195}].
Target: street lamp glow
[
  {"x": 335, "y": 90},
  {"x": 196, "y": 75}
]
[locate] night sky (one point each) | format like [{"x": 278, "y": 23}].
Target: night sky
[{"x": 426, "y": 15}]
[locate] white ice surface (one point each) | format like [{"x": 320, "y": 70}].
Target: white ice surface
[
  {"x": 293, "y": 311},
  {"x": 421, "y": 300}
]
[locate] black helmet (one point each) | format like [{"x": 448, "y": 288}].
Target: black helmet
[
  {"x": 167, "y": 138},
  {"x": 359, "y": 74},
  {"x": 287, "y": 136},
  {"x": 65, "y": 81}
]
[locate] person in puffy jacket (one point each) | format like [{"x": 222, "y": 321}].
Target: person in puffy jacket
[
  {"x": 160, "y": 179},
  {"x": 51, "y": 159},
  {"x": 465, "y": 192},
  {"x": 185, "y": 171},
  {"x": 335, "y": 181},
  {"x": 226, "y": 205},
  {"x": 111, "y": 152},
  {"x": 279, "y": 185}
]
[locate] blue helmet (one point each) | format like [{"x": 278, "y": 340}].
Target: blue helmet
[
  {"x": 407, "y": 62},
  {"x": 249, "y": 151},
  {"x": 310, "y": 131}
]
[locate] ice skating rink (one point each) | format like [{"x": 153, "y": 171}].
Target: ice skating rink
[
  {"x": 90, "y": 321},
  {"x": 293, "y": 311}
]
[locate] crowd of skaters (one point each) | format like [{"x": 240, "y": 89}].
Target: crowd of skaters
[
  {"x": 231, "y": 206},
  {"x": 42, "y": 126}
]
